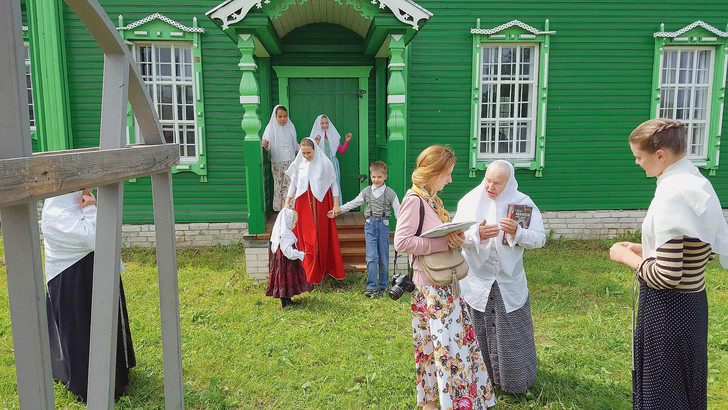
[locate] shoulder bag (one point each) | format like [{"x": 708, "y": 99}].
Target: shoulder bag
[{"x": 445, "y": 267}]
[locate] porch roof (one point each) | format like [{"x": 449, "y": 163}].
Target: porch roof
[{"x": 271, "y": 20}]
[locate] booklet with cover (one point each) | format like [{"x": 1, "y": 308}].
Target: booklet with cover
[
  {"x": 446, "y": 228},
  {"x": 520, "y": 214}
]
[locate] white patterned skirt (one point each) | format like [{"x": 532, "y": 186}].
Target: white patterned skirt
[
  {"x": 281, "y": 182},
  {"x": 447, "y": 355}
]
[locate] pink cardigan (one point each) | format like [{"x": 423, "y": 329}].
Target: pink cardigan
[{"x": 405, "y": 239}]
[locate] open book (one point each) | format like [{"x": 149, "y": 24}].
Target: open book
[
  {"x": 522, "y": 215},
  {"x": 446, "y": 228}
]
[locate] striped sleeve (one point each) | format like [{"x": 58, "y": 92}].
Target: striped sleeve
[{"x": 664, "y": 271}]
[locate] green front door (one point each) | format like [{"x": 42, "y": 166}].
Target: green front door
[{"x": 337, "y": 98}]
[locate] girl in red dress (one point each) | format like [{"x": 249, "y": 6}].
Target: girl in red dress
[{"x": 315, "y": 191}]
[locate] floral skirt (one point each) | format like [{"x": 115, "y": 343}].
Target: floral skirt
[{"x": 447, "y": 355}]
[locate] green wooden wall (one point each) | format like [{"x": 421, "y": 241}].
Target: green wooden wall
[{"x": 600, "y": 77}]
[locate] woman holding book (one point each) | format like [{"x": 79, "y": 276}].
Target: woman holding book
[
  {"x": 447, "y": 356},
  {"x": 496, "y": 290}
]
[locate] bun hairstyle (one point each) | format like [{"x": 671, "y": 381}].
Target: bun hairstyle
[
  {"x": 281, "y": 108},
  {"x": 307, "y": 142},
  {"x": 434, "y": 161},
  {"x": 660, "y": 133}
]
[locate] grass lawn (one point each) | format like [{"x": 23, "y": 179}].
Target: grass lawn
[{"x": 339, "y": 350}]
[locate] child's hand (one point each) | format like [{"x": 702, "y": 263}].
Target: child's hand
[
  {"x": 318, "y": 139},
  {"x": 348, "y": 136},
  {"x": 331, "y": 214},
  {"x": 266, "y": 143}
]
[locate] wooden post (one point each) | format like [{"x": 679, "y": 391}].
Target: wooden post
[
  {"x": 168, "y": 290},
  {"x": 20, "y": 228},
  {"x": 396, "y": 122},
  {"x": 105, "y": 292},
  {"x": 250, "y": 99}
]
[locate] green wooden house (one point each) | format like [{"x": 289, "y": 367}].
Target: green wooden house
[{"x": 554, "y": 87}]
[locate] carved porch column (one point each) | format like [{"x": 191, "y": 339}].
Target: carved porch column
[
  {"x": 396, "y": 123},
  {"x": 250, "y": 100}
]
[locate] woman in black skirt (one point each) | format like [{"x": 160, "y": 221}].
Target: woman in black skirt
[
  {"x": 683, "y": 229},
  {"x": 69, "y": 235}
]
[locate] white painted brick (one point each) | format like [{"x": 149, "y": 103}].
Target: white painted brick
[
  {"x": 199, "y": 226},
  {"x": 238, "y": 225}
]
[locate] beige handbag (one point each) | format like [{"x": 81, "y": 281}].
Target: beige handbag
[{"x": 445, "y": 267}]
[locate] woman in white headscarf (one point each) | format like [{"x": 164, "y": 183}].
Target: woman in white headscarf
[
  {"x": 280, "y": 139},
  {"x": 683, "y": 229},
  {"x": 329, "y": 140},
  {"x": 496, "y": 289},
  {"x": 287, "y": 276},
  {"x": 68, "y": 223},
  {"x": 313, "y": 185}
]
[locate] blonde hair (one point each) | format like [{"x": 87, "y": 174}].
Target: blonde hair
[
  {"x": 660, "y": 133},
  {"x": 432, "y": 163},
  {"x": 307, "y": 142}
]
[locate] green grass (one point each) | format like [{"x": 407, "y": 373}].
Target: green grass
[{"x": 339, "y": 350}]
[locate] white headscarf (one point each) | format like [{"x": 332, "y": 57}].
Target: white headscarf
[
  {"x": 685, "y": 203},
  {"x": 69, "y": 232},
  {"x": 283, "y": 145},
  {"x": 476, "y": 205},
  {"x": 319, "y": 173},
  {"x": 282, "y": 236},
  {"x": 333, "y": 136}
]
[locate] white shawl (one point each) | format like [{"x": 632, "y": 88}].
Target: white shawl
[
  {"x": 282, "y": 236},
  {"x": 318, "y": 173},
  {"x": 684, "y": 204},
  {"x": 476, "y": 206},
  {"x": 332, "y": 135},
  {"x": 69, "y": 232},
  {"x": 282, "y": 140}
]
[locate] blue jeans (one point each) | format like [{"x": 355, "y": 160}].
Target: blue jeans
[{"x": 376, "y": 232}]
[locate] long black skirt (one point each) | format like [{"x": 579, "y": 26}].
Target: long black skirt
[
  {"x": 68, "y": 305},
  {"x": 287, "y": 277},
  {"x": 671, "y": 350}
]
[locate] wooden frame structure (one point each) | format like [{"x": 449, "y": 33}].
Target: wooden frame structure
[{"x": 26, "y": 178}]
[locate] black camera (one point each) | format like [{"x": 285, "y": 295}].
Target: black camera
[{"x": 401, "y": 283}]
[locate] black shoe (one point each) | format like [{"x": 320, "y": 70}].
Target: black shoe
[
  {"x": 370, "y": 293},
  {"x": 382, "y": 291}
]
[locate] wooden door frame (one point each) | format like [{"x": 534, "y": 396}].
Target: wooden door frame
[{"x": 361, "y": 73}]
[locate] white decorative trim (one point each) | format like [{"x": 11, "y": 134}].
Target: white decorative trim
[
  {"x": 248, "y": 65},
  {"x": 511, "y": 23},
  {"x": 157, "y": 16},
  {"x": 396, "y": 99},
  {"x": 672, "y": 34},
  {"x": 140, "y": 33},
  {"x": 249, "y": 99},
  {"x": 25, "y": 28},
  {"x": 232, "y": 11},
  {"x": 406, "y": 11},
  {"x": 396, "y": 65}
]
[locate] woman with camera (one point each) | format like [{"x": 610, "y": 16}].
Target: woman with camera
[{"x": 447, "y": 355}]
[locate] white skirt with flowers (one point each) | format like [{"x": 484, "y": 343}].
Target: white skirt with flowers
[{"x": 447, "y": 355}]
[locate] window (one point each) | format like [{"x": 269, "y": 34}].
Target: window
[
  {"x": 508, "y": 90},
  {"x": 169, "y": 60},
  {"x": 510, "y": 63},
  {"x": 689, "y": 82},
  {"x": 29, "y": 87},
  {"x": 685, "y": 93},
  {"x": 167, "y": 71}
]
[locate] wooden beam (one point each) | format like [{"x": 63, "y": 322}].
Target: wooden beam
[
  {"x": 38, "y": 177},
  {"x": 20, "y": 228},
  {"x": 168, "y": 290}
]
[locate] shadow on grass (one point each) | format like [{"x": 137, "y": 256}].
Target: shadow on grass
[{"x": 562, "y": 390}]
